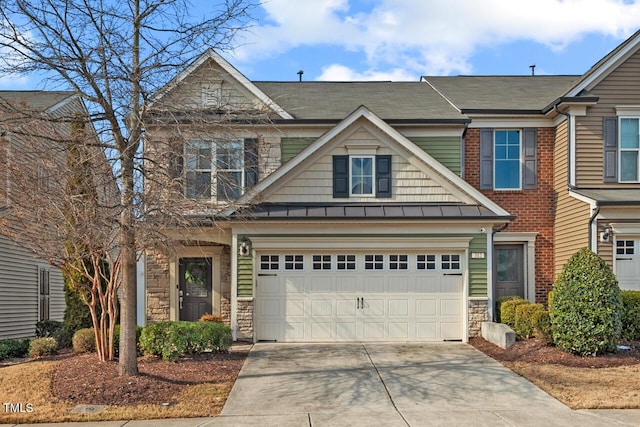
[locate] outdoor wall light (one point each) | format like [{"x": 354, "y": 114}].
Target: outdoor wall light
[
  {"x": 606, "y": 233},
  {"x": 245, "y": 247}
]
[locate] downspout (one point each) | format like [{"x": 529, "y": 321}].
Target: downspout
[
  {"x": 463, "y": 144},
  {"x": 596, "y": 211}
]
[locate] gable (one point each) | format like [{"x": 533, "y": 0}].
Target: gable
[
  {"x": 314, "y": 181},
  {"x": 449, "y": 185}
]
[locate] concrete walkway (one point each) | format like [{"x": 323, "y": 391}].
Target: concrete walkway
[{"x": 448, "y": 384}]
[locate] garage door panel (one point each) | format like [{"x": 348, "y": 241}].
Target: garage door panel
[
  {"x": 322, "y": 307},
  {"x": 398, "y": 307},
  {"x": 359, "y": 305}
]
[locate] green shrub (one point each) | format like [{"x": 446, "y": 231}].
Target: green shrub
[
  {"x": 499, "y": 302},
  {"x": 77, "y": 314},
  {"x": 47, "y": 328},
  {"x": 41, "y": 347},
  {"x": 508, "y": 310},
  {"x": 84, "y": 341},
  {"x": 170, "y": 340},
  {"x": 11, "y": 348},
  {"x": 524, "y": 322},
  {"x": 542, "y": 326},
  {"x": 630, "y": 315},
  {"x": 586, "y": 306}
]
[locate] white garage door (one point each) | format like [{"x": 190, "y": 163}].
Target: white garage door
[
  {"x": 372, "y": 296},
  {"x": 627, "y": 260}
]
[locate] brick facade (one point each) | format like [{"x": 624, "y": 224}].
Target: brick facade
[{"x": 534, "y": 209}]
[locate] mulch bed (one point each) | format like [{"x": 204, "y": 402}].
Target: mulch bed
[
  {"x": 537, "y": 352},
  {"x": 84, "y": 379}
]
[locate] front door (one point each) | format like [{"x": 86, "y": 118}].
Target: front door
[
  {"x": 509, "y": 268},
  {"x": 195, "y": 295}
]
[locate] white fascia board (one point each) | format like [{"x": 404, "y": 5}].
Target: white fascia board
[
  {"x": 213, "y": 55},
  {"x": 592, "y": 203},
  {"x": 516, "y": 122}
]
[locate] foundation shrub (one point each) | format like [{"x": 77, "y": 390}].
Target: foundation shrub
[
  {"x": 508, "y": 310},
  {"x": 41, "y": 347},
  {"x": 586, "y": 306},
  {"x": 524, "y": 324},
  {"x": 499, "y": 302},
  {"x": 171, "y": 340},
  {"x": 84, "y": 341},
  {"x": 11, "y": 348},
  {"x": 630, "y": 315}
]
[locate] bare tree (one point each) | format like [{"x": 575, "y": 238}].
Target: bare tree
[
  {"x": 115, "y": 55},
  {"x": 62, "y": 204}
]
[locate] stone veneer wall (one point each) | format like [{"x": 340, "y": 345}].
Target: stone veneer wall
[
  {"x": 478, "y": 312},
  {"x": 157, "y": 287},
  {"x": 245, "y": 318}
]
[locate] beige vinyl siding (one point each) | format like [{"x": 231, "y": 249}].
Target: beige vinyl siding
[
  {"x": 621, "y": 87},
  {"x": 19, "y": 289},
  {"x": 315, "y": 182},
  {"x": 478, "y": 267},
  {"x": 290, "y": 147},
  {"x": 605, "y": 249},
  {"x": 446, "y": 150},
  {"x": 572, "y": 215}
]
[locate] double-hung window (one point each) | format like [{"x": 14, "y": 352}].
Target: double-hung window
[
  {"x": 507, "y": 162},
  {"x": 509, "y": 159},
  {"x": 629, "y": 149},
  {"x": 219, "y": 170},
  {"x": 362, "y": 176}
]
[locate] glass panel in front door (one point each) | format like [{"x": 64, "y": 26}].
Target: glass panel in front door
[
  {"x": 195, "y": 296},
  {"x": 509, "y": 270}
]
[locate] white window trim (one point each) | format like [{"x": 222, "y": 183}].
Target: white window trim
[
  {"x": 373, "y": 176},
  {"x": 214, "y": 167},
  {"x": 620, "y": 150},
  {"x": 520, "y": 178}
]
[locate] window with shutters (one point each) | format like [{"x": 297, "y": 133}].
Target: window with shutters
[
  {"x": 44, "y": 292},
  {"x": 629, "y": 152},
  {"x": 220, "y": 170},
  {"x": 358, "y": 176},
  {"x": 508, "y": 159}
]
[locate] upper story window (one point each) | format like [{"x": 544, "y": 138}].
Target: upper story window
[
  {"x": 219, "y": 169},
  {"x": 508, "y": 159},
  {"x": 361, "y": 176},
  {"x": 629, "y": 149}
]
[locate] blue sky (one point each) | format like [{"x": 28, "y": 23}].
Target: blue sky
[{"x": 404, "y": 39}]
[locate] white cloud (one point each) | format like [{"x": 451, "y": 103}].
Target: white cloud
[
  {"x": 402, "y": 38},
  {"x": 337, "y": 72}
]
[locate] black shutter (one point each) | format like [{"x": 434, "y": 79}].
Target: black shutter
[
  {"x": 530, "y": 159},
  {"x": 250, "y": 162},
  {"x": 340, "y": 176},
  {"x": 383, "y": 176},
  {"x": 610, "y": 155},
  {"x": 486, "y": 159}
]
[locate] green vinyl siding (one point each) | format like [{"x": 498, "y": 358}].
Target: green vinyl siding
[
  {"x": 446, "y": 150},
  {"x": 290, "y": 147},
  {"x": 478, "y": 267},
  {"x": 245, "y": 276}
]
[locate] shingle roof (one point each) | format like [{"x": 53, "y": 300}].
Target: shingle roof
[
  {"x": 502, "y": 92},
  {"x": 336, "y": 100},
  {"x": 612, "y": 196},
  {"x": 36, "y": 99},
  {"x": 365, "y": 211}
]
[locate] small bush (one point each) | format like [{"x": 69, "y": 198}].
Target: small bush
[
  {"x": 586, "y": 306},
  {"x": 542, "y": 326},
  {"x": 171, "y": 340},
  {"x": 41, "y": 347},
  {"x": 508, "y": 310},
  {"x": 13, "y": 348},
  {"x": 524, "y": 322},
  {"x": 499, "y": 302},
  {"x": 211, "y": 318},
  {"x": 630, "y": 315},
  {"x": 47, "y": 328},
  {"x": 84, "y": 341}
]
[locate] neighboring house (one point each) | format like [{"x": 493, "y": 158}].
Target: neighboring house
[
  {"x": 30, "y": 289},
  {"x": 380, "y": 211}
]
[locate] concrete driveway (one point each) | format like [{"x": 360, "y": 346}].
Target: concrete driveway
[{"x": 444, "y": 384}]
